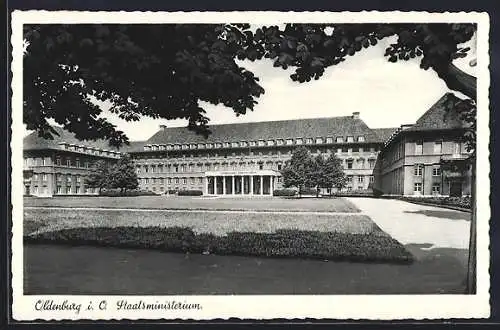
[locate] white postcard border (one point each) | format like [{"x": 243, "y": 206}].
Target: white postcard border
[{"x": 375, "y": 307}]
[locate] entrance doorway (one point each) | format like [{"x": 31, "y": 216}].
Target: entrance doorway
[{"x": 455, "y": 189}]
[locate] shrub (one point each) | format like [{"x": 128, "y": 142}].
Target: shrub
[
  {"x": 284, "y": 192},
  {"x": 282, "y": 243},
  {"x": 128, "y": 193},
  {"x": 355, "y": 193},
  {"x": 461, "y": 202},
  {"x": 308, "y": 191},
  {"x": 190, "y": 193}
]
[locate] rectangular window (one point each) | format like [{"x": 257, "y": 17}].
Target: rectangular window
[
  {"x": 371, "y": 163},
  {"x": 68, "y": 178},
  {"x": 59, "y": 189},
  {"x": 153, "y": 169},
  {"x": 418, "y": 169},
  {"x": 68, "y": 161},
  {"x": 436, "y": 189},
  {"x": 436, "y": 171},
  {"x": 44, "y": 177},
  {"x": 298, "y": 141},
  {"x": 184, "y": 180},
  {"x": 309, "y": 141},
  {"x": 372, "y": 178},
  {"x": 289, "y": 142},
  {"x": 417, "y": 187},
  {"x": 176, "y": 168},
  {"x": 419, "y": 147},
  {"x": 349, "y": 163},
  {"x": 191, "y": 180},
  {"x": 457, "y": 148},
  {"x": 349, "y": 178},
  {"x": 78, "y": 179},
  {"x": 176, "y": 180},
  {"x": 329, "y": 140},
  {"x": 438, "y": 147},
  {"x": 350, "y": 139},
  {"x": 169, "y": 180},
  {"x": 361, "y": 139},
  {"x": 280, "y": 167},
  {"x": 280, "y": 179},
  {"x": 319, "y": 140},
  {"x": 200, "y": 180},
  {"x": 340, "y": 139},
  {"x": 68, "y": 190},
  {"x": 360, "y": 179}
]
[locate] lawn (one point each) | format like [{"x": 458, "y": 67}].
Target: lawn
[
  {"x": 51, "y": 269},
  {"x": 200, "y": 203},
  {"x": 351, "y": 237}
]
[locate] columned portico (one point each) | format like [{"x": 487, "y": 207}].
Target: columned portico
[{"x": 240, "y": 183}]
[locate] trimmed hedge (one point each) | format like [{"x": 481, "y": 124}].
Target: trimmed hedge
[
  {"x": 355, "y": 193},
  {"x": 284, "y": 192},
  {"x": 461, "y": 202},
  {"x": 282, "y": 243},
  {"x": 190, "y": 193},
  {"x": 128, "y": 193},
  {"x": 308, "y": 191}
]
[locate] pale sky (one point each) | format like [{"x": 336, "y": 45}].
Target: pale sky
[{"x": 386, "y": 94}]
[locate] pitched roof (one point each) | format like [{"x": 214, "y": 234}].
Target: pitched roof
[
  {"x": 438, "y": 117},
  {"x": 34, "y": 142},
  {"x": 282, "y": 129},
  {"x": 385, "y": 133}
]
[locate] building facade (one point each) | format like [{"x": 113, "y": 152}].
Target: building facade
[
  {"x": 426, "y": 159},
  {"x": 60, "y": 166},
  {"x": 246, "y": 159}
]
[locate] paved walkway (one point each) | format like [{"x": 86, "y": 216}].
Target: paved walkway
[{"x": 417, "y": 224}]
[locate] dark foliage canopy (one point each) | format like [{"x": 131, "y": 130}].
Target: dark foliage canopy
[{"x": 164, "y": 71}]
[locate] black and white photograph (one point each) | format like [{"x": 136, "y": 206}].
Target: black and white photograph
[{"x": 265, "y": 165}]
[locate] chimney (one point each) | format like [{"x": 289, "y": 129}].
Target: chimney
[
  {"x": 355, "y": 115},
  {"x": 406, "y": 126},
  {"x": 163, "y": 127}
]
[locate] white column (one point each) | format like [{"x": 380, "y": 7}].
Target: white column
[
  {"x": 251, "y": 184},
  {"x": 206, "y": 184},
  {"x": 223, "y": 185},
  {"x": 271, "y": 185},
  {"x": 262, "y": 185},
  {"x": 232, "y": 185}
]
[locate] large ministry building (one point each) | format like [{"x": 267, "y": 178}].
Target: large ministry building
[{"x": 246, "y": 159}]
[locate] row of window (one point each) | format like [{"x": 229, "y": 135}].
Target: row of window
[
  {"x": 258, "y": 143},
  {"x": 339, "y": 151},
  {"x": 436, "y": 188},
  {"x": 44, "y": 161},
  {"x": 361, "y": 179},
  {"x": 62, "y": 190},
  {"x": 59, "y": 177},
  {"x": 437, "y": 148},
  {"x": 89, "y": 150},
  {"x": 418, "y": 169}
]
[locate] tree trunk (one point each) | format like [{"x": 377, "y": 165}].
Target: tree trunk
[
  {"x": 463, "y": 82},
  {"x": 471, "y": 266},
  {"x": 457, "y": 79}
]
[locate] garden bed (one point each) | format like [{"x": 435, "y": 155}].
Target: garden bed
[
  {"x": 332, "y": 236},
  {"x": 282, "y": 243}
]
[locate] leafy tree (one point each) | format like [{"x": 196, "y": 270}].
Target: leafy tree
[
  {"x": 159, "y": 71},
  {"x": 99, "y": 178},
  {"x": 297, "y": 172},
  {"x": 123, "y": 176},
  {"x": 333, "y": 173}
]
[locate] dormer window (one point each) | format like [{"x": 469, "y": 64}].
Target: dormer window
[
  {"x": 243, "y": 144},
  {"x": 201, "y": 145},
  {"x": 234, "y": 144},
  {"x": 361, "y": 139},
  {"x": 177, "y": 146},
  {"x": 253, "y": 143},
  {"x": 339, "y": 139},
  {"x": 226, "y": 144},
  {"x": 350, "y": 139},
  {"x": 319, "y": 140},
  {"x": 162, "y": 147},
  {"x": 298, "y": 141},
  {"x": 210, "y": 145},
  {"x": 193, "y": 146},
  {"x": 329, "y": 140},
  {"x": 218, "y": 145},
  {"x": 169, "y": 147},
  {"x": 147, "y": 148},
  {"x": 279, "y": 142},
  {"x": 289, "y": 142},
  {"x": 270, "y": 142},
  {"x": 309, "y": 141},
  {"x": 261, "y": 143}
]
